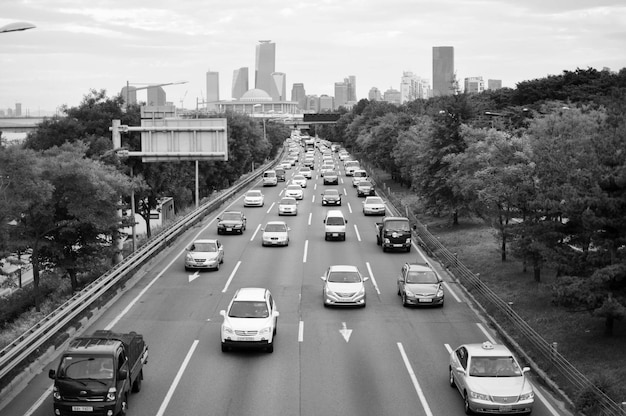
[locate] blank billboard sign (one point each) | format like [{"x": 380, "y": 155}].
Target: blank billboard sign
[{"x": 175, "y": 139}]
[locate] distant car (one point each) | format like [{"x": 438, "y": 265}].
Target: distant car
[
  {"x": 357, "y": 176},
  {"x": 250, "y": 321},
  {"x": 288, "y": 206},
  {"x": 285, "y": 165},
  {"x": 204, "y": 254},
  {"x": 299, "y": 180},
  {"x": 280, "y": 174},
  {"x": 331, "y": 178},
  {"x": 331, "y": 197},
  {"x": 275, "y": 233},
  {"x": 294, "y": 191},
  {"x": 309, "y": 161},
  {"x": 326, "y": 168},
  {"x": 231, "y": 222},
  {"x": 253, "y": 198},
  {"x": 306, "y": 172},
  {"x": 270, "y": 178},
  {"x": 419, "y": 284},
  {"x": 374, "y": 205},
  {"x": 344, "y": 286},
  {"x": 365, "y": 188},
  {"x": 490, "y": 380}
]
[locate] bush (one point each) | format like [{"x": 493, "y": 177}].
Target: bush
[{"x": 586, "y": 400}]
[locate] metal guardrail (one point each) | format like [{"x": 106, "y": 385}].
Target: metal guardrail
[
  {"x": 30, "y": 341},
  {"x": 495, "y": 307}
]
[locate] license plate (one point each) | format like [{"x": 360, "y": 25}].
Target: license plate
[
  {"x": 335, "y": 234},
  {"x": 82, "y": 409},
  {"x": 229, "y": 229},
  {"x": 245, "y": 338},
  {"x": 505, "y": 408},
  {"x": 425, "y": 300},
  {"x": 397, "y": 245}
]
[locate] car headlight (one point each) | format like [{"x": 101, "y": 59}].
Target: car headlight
[
  {"x": 189, "y": 257},
  {"x": 265, "y": 331},
  {"x": 386, "y": 241},
  {"x": 479, "y": 396},
  {"x": 408, "y": 240},
  {"x": 527, "y": 396},
  {"x": 55, "y": 393},
  {"x": 409, "y": 293},
  {"x": 440, "y": 292},
  {"x": 111, "y": 394},
  {"x": 361, "y": 291},
  {"x": 227, "y": 330}
]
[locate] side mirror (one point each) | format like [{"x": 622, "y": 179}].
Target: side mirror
[
  {"x": 323, "y": 278},
  {"x": 365, "y": 278},
  {"x": 276, "y": 313},
  {"x": 122, "y": 374},
  {"x": 346, "y": 221},
  {"x": 223, "y": 312},
  {"x": 52, "y": 374},
  {"x": 219, "y": 219},
  {"x": 524, "y": 370}
]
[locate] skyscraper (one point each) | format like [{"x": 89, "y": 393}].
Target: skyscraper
[
  {"x": 299, "y": 94},
  {"x": 156, "y": 96},
  {"x": 240, "y": 82},
  {"x": 265, "y": 65},
  {"x": 341, "y": 94},
  {"x": 351, "y": 81},
  {"x": 494, "y": 84},
  {"x": 443, "y": 70},
  {"x": 474, "y": 85},
  {"x": 278, "y": 89},
  {"x": 212, "y": 86}
]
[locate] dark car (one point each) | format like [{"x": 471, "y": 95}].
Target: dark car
[
  {"x": 365, "y": 188},
  {"x": 331, "y": 178},
  {"x": 280, "y": 174},
  {"x": 331, "y": 197},
  {"x": 231, "y": 222}
]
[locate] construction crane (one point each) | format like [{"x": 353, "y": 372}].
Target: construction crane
[
  {"x": 183, "y": 99},
  {"x": 149, "y": 86}
]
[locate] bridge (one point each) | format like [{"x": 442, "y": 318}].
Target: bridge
[{"x": 19, "y": 124}]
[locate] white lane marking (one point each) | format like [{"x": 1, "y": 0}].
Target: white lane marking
[
  {"x": 313, "y": 199},
  {"x": 448, "y": 347},
  {"x": 350, "y": 208},
  {"x": 230, "y": 278},
  {"x": 258, "y": 227},
  {"x": 487, "y": 334},
  {"x": 270, "y": 208},
  {"x": 301, "y": 331},
  {"x": 310, "y": 215},
  {"x": 356, "y": 230},
  {"x": 194, "y": 276},
  {"x": 450, "y": 291},
  {"x": 39, "y": 401},
  {"x": 315, "y": 186},
  {"x": 344, "y": 192},
  {"x": 369, "y": 270},
  {"x": 179, "y": 375},
  {"x": 416, "y": 384},
  {"x": 306, "y": 250},
  {"x": 345, "y": 332}
]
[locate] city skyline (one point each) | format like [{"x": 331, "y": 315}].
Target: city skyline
[{"x": 77, "y": 47}]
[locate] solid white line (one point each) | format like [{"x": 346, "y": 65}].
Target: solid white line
[
  {"x": 301, "y": 331},
  {"x": 416, "y": 384},
  {"x": 258, "y": 227},
  {"x": 450, "y": 291},
  {"x": 369, "y": 270},
  {"x": 179, "y": 375},
  {"x": 230, "y": 278},
  {"x": 448, "y": 288},
  {"x": 39, "y": 401},
  {"x": 356, "y": 230},
  {"x": 545, "y": 402},
  {"x": 487, "y": 334},
  {"x": 306, "y": 250}
]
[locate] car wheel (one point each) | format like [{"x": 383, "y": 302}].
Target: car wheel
[
  {"x": 384, "y": 249},
  {"x": 219, "y": 232},
  {"x": 124, "y": 406},
  {"x": 325, "y": 237},
  {"x": 468, "y": 410},
  {"x": 270, "y": 348},
  {"x": 137, "y": 384},
  {"x": 404, "y": 302},
  {"x": 451, "y": 380},
  {"x": 224, "y": 348},
  {"x": 408, "y": 249},
  {"x": 217, "y": 266}
]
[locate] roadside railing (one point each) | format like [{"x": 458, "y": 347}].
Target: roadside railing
[
  {"x": 529, "y": 344},
  {"x": 29, "y": 343}
]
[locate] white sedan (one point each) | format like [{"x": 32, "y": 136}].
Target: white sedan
[
  {"x": 294, "y": 191},
  {"x": 374, "y": 205},
  {"x": 275, "y": 233},
  {"x": 299, "y": 180},
  {"x": 253, "y": 198}
]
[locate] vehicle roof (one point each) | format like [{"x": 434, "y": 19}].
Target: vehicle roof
[
  {"x": 287, "y": 199},
  {"x": 396, "y": 218},
  {"x": 294, "y": 186},
  {"x": 487, "y": 349},
  {"x": 253, "y": 191},
  {"x": 205, "y": 240},
  {"x": 331, "y": 191},
  {"x": 343, "y": 268},
  {"x": 376, "y": 198},
  {"x": 418, "y": 266},
  {"x": 334, "y": 213},
  {"x": 232, "y": 212},
  {"x": 277, "y": 222},
  {"x": 250, "y": 294}
]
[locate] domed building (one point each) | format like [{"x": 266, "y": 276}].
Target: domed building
[{"x": 256, "y": 101}]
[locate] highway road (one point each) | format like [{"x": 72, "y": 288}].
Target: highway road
[{"x": 380, "y": 360}]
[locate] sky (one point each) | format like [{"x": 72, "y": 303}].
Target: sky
[{"x": 83, "y": 45}]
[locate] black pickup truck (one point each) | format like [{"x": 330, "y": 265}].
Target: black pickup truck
[
  {"x": 394, "y": 233},
  {"x": 97, "y": 373}
]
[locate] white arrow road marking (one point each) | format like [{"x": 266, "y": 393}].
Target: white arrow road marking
[
  {"x": 194, "y": 276},
  {"x": 345, "y": 332}
]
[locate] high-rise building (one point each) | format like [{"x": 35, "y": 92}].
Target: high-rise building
[
  {"x": 240, "y": 82},
  {"x": 18, "y": 109},
  {"x": 351, "y": 81},
  {"x": 129, "y": 94},
  {"x": 494, "y": 84},
  {"x": 312, "y": 103},
  {"x": 265, "y": 65},
  {"x": 299, "y": 94},
  {"x": 392, "y": 96},
  {"x": 474, "y": 85},
  {"x": 278, "y": 90},
  {"x": 156, "y": 96},
  {"x": 443, "y": 70},
  {"x": 341, "y": 94},
  {"x": 374, "y": 94},
  {"x": 326, "y": 103},
  {"x": 212, "y": 86}
]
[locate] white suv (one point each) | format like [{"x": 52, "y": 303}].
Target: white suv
[{"x": 250, "y": 320}]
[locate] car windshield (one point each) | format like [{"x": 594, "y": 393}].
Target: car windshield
[
  {"x": 275, "y": 228},
  {"x": 231, "y": 216},
  {"x": 331, "y": 192},
  {"x": 288, "y": 201},
  {"x": 79, "y": 367},
  {"x": 365, "y": 183},
  {"x": 294, "y": 187},
  {"x": 334, "y": 221},
  {"x": 330, "y": 173},
  {"x": 254, "y": 193},
  {"x": 373, "y": 201},
  {"x": 204, "y": 247},
  {"x": 397, "y": 225},
  {"x": 344, "y": 277},
  {"x": 248, "y": 309},
  {"x": 494, "y": 367},
  {"x": 421, "y": 277},
  {"x": 298, "y": 178}
]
